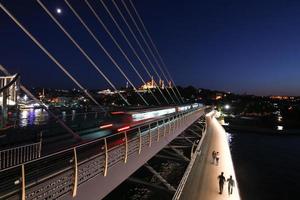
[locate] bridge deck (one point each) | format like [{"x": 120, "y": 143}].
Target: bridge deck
[{"x": 202, "y": 182}]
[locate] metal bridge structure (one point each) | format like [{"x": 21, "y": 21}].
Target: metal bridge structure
[{"x": 93, "y": 169}]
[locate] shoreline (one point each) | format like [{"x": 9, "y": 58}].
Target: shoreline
[{"x": 258, "y": 130}]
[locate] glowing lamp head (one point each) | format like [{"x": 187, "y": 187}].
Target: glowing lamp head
[{"x": 227, "y": 106}]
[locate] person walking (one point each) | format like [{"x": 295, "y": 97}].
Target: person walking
[
  {"x": 230, "y": 185},
  {"x": 222, "y": 180},
  {"x": 217, "y": 158},
  {"x": 213, "y": 156}
]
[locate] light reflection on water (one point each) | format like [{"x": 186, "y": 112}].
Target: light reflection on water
[
  {"x": 230, "y": 137},
  {"x": 28, "y": 117},
  {"x": 33, "y": 117}
]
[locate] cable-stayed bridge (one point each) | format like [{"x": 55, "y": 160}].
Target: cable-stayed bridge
[{"x": 91, "y": 168}]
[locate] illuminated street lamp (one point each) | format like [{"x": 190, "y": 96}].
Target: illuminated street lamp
[{"x": 227, "y": 107}]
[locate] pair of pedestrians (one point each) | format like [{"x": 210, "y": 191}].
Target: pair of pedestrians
[
  {"x": 215, "y": 157},
  {"x": 222, "y": 180}
]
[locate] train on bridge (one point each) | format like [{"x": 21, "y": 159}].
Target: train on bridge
[{"x": 119, "y": 121}]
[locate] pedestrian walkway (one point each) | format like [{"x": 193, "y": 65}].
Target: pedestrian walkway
[{"x": 202, "y": 182}]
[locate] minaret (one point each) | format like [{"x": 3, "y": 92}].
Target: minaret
[
  {"x": 152, "y": 82},
  {"x": 170, "y": 84}
]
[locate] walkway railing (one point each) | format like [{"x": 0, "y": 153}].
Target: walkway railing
[
  {"x": 55, "y": 175},
  {"x": 18, "y": 155},
  {"x": 191, "y": 164}
]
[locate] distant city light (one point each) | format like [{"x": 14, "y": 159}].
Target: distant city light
[
  {"x": 279, "y": 118},
  {"x": 25, "y": 97},
  {"x": 58, "y": 10},
  {"x": 227, "y": 106},
  {"x": 279, "y": 128}
]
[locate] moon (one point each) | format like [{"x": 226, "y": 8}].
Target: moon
[{"x": 58, "y": 10}]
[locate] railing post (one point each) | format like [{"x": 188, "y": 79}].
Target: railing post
[
  {"x": 126, "y": 147},
  {"x": 150, "y": 138},
  {"x": 157, "y": 124},
  {"x": 0, "y": 159},
  {"x": 175, "y": 124},
  {"x": 40, "y": 146},
  {"x": 11, "y": 157},
  {"x": 21, "y": 155},
  {"x": 180, "y": 121},
  {"x": 140, "y": 140},
  {"x": 75, "y": 173},
  {"x": 23, "y": 183},
  {"x": 15, "y": 156},
  {"x": 164, "y": 127},
  {"x": 170, "y": 125},
  {"x": 30, "y": 152},
  {"x": 106, "y": 157}
]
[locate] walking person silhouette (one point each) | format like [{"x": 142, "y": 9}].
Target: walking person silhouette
[
  {"x": 222, "y": 180},
  {"x": 230, "y": 185},
  {"x": 217, "y": 158},
  {"x": 214, "y": 153}
]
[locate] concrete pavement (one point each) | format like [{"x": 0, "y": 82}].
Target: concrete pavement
[{"x": 202, "y": 182}]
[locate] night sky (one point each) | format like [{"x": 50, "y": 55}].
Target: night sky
[{"x": 232, "y": 45}]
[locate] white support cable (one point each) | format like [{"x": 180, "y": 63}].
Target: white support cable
[
  {"x": 103, "y": 49},
  {"x": 147, "y": 57},
  {"x": 153, "y": 44},
  {"x": 49, "y": 55},
  {"x": 149, "y": 49},
  {"x": 81, "y": 50},
  {"x": 130, "y": 45},
  {"x": 120, "y": 48},
  {"x": 123, "y": 53}
]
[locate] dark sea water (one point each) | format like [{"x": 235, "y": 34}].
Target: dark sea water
[{"x": 267, "y": 166}]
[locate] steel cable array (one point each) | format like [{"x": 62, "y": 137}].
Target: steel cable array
[
  {"x": 119, "y": 47},
  {"x": 130, "y": 45},
  {"x": 50, "y": 56},
  {"x": 105, "y": 51},
  {"x": 155, "y": 48},
  {"x": 82, "y": 51},
  {"x": 149, "y": 49}
]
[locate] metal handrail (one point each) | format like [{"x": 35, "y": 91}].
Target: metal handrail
[
  {"x": 172, "y": 123},
  {"x": 18, "y": 147},
  {"x": 91, "y": 142},
  {"x": 18, "y": 155},
  {"x": 189, "y": 167}
]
